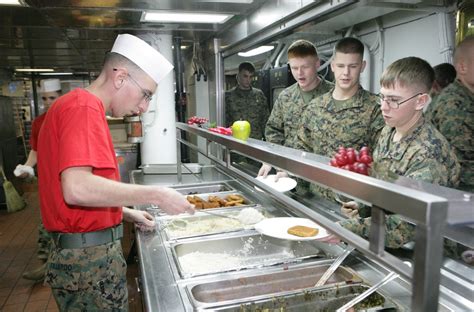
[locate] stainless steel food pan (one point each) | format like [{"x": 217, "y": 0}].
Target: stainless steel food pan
[
  {"x": 203, "y": 189},
  {"x": 246, "y": 203},
  {"x": 223, "y": 195},
  {"x": 222, "y": 254},
  {"x": 202, "y": 223},
  {"x": 284, "y": 280},
  {"x": 322, "y": 299}
]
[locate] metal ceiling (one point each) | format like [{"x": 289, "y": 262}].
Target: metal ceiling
[{"x": 74, "y": 35}]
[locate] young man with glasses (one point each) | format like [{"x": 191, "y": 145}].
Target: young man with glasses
[
  {"x": 50, "y": 90},
  {"x": 408, "y": 145},
  {"x": 82, "y": 198}
]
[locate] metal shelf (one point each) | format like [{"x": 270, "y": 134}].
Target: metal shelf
[{"x": 432, "y": 208}]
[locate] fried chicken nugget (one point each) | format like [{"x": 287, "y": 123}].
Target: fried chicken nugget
[
  {"x": 207, "y": 205},
  {"x": 234, "y": 203},
  {"x": 234, "y": 197}
]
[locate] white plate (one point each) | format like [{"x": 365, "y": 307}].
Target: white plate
[
  {"x": 283, "y": 185},
  {"x": 277, "y": 227}
]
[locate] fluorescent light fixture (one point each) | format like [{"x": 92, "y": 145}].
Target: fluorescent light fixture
[
  {"x": 56, "y": 74},
  {"x": 10, "y": 2},
  {"x": 34, "y": 70},
  {"x": 256, "y": 51},
  {"x": 184, "y": 17},
  {"x": 183, "y": 47},
  {"x": 225, "y": 1}
]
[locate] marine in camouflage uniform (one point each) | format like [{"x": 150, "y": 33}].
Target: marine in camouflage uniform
[
  {"x": 328, "y": 124},
  {"x": 408, "y": 146},
  {"x": 250, "y": 105},
  {"x": 453, "y": 116},
  {"x": 423, "y": 155},
  {"x": 86, "y": 279},
  {"x": 285, "y": 118}
]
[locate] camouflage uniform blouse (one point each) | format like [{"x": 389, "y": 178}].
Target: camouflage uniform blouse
[
  {"x": 424, "y": 155},
  {"x": 250, "y": 105},
  {"x": 453, "y": 116},
  {"x": 327, "y": 124},
  {"x": 285, "y": 118}
]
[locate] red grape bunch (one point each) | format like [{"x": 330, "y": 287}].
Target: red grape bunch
[
  {"x": 352, "y": 160},
  {"x": 197, "y": 120}
]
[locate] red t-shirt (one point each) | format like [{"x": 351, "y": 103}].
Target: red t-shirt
[
  {"x": 75, "y": 134},
  {"x": 35, "y": 129}
]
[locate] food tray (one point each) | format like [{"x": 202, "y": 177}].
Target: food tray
[
  {"x": 202, "y": 223},
  {"x": 321, "y": 299},
  {"x": 221, "y": 254},
  {"x": 246, "y": 203},
  {"x": 244, "y": 288},
  {"x": 203, "y": 189}
]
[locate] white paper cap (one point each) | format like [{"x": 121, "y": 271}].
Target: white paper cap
[
  {"x": 50, "y": 85},
  {"x": 143, "y": 55}
]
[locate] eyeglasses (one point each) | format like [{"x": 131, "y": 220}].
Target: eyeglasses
[
  {"x": 147, "y": 95},
  {"x": 51, "y": 98},
  {"x": 394, "y": 103}
]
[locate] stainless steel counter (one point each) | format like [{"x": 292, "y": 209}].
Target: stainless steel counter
[
  {"x": 165, "y": 288},
  {"x": 219, "y": 283}
]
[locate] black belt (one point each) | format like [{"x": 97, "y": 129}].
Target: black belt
[{"x": 87, "y": 239}]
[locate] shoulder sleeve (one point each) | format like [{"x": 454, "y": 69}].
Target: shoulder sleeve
[
  {"x": 84, "y": 139},
  {"x": 274, "y": 131},
  {"x": 304, "y": 138},
  {"x": 228, "y": 109},
  {"x": 376, "y": 123}
]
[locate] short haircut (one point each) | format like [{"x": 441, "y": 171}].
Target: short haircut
[
  {"x": 464, "y": 49},
  {"x": 445, "y": 73},
  {"x": 113, "y": 60},
  {"x": 246, "y": 66},
  {"x": 350, "y": 45},
  {"x": 302, "y": 48},
  {"x": 408, "y": 71}
]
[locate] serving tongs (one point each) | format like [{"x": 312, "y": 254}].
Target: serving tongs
[
  {"x": 217, "y": 214},
  {"x": 333, "y": 267},
  {"x": 368, "y": 292}
]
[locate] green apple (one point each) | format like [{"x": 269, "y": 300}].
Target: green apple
[{"x": 241, "y": 129}]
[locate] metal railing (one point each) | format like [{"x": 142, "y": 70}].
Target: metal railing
[{"x": 428, "y": 211}]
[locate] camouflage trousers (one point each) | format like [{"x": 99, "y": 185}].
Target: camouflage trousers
[
  {"x": 398, "y": 233},
  {"x": 44, "y": 242},
  {"x": 89, "y": 279}
]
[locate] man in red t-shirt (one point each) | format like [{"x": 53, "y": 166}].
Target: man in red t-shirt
[
  {"x": 82, "y": 200},
  {"x": 50, "y": 90}
]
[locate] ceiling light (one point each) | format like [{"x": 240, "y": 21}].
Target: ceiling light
[
  {"x": 256, "y": 51},
  {"x": 10, "y": 2},
  {"x": 56, "y": 74},
  {"x": 226, "y": 1},
  {"x": 34, "y": 70},
  {"x": 163, "y": 16}
]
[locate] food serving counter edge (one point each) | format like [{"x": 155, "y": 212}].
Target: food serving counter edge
[{"x": 206, "y": 262}]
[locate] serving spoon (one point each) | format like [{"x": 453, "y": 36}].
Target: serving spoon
[{"x": 333, "y": 267}]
